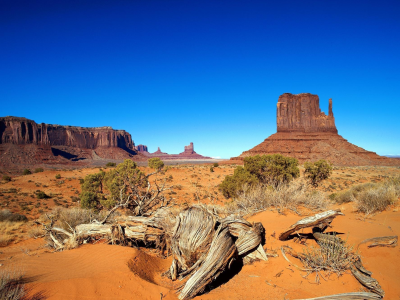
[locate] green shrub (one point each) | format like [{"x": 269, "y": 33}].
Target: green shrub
[
  {"x": 156, "y": 163},
  {"x": 6, "y": 178},
  {"x": 211, "y": 169},
  {"x": 41, "y": 195},
  {"x": 233, "y": 185},
  {"x": 26, "y": 172},
  {"x": 6, "y": 215},
  {"x": 58, "y": 176},
  {"x": 273, "y": 170},
  {"x": 38, "y": 170},
  {"x": 318, "y": 171},
  {"x": 215, "y": 165},
  {"x": 111, "y": 164},
  {"x": 81, "y": 180}
]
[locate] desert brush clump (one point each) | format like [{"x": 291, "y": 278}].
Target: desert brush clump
[
  {"x": 124, "y": 186},
  {"x": 371, "y": 197},
  {"x": 13, "y": 286},
  {"x": 328, "y": 258},
  {"x": 317, "y": 171},
  {"x": 273, "y": 170},
  {"x": 297, "y": 193},
  {"x": 7, "y": 216},
  {"x": 155, "y": 163}
]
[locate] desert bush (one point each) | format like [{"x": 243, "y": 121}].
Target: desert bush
[
  {"x": 155, "y": 163},
  {"x": 38, "y": 170},
  {"x": 127, "y": 186},
  {"x": 233, "y": 185},
  {"x": 376, "y": 199},
  {"x": 211, "y": 169},
  {"x": 6, "y": 178},
  {"x": 110, "y": 164},
  {"x": 58, "y": 176},
  {"x": 12, "y": 286},
  {"x": 318, "y": 171},
  {"x": 41, "y": 195},
  {"x": 26, "y": 172},
  {"x": 273, "y": 169},
  {"x": 36, "y": 232},
  {"x": 215, "y": 165},
  {"x": 328, "y": 258},
  {"x": 297, "y": 193},
  {"x": 6, "y": 215}
]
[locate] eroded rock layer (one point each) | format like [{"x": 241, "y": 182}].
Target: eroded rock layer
[
  {"x": 23, "y": 142},
  {"x": 306, "y": 133}
]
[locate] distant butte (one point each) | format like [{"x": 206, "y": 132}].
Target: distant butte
[
  {"x": 306, "y": 133},
  {"x": 188, "y": 153}
]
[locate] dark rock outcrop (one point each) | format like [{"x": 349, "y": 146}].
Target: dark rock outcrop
[{"x": 306, "y": 133}]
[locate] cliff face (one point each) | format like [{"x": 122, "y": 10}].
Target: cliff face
[
  {"x": 301, "y": 113},
  {"x": 306, "y": 133},
  {"x": 23, "y": 131}
]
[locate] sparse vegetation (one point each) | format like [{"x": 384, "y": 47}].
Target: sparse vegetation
[
  {"x": 273, "y": 170},
  {"x": 58, "y": 176},
  {"x": 110, "y": 165},
  {"x": 215, "y": 165},
  {"x": 7, "y": 216},
  {"x": 329, "y": 258},
  {"x": 291, "y": 196},
  {"x": 26, "y": 172},
  {"x": 318, "y": 171},
  {"x": 38, "y": 170},
  {"x": 371, "y": 197},
  {"x": 41, "y": 195},
  {"x": 156, "y": 163},
  {"x": 6, "y": 178}
]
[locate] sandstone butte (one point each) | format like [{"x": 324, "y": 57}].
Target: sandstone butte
[
  {"x": 24, "y": 142},
  {"x": 306, "y": 133},
  {"x": 188, "y": 153}
]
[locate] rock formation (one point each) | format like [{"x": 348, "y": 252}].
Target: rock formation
[
  {"x": 141, "y": 148},
  {"x": 20, "y": 136},
  {"x": 306, "y": 133},
  {"x": 301, "y": 113},
  {"x": 188, "y": 153}
]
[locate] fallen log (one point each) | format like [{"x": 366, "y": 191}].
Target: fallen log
[
  {"x": 348, "y": 296},
  {"x": 222, "y": 250},
  {"x": 383, "y": 241},
  {"x": 367, "y": 281},
  {"x": 321, "y": 220}
]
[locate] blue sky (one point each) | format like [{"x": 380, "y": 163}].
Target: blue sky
[{"x": 207, "y": 72}]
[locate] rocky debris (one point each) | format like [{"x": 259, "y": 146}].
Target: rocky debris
[
  {"x": 306, "y": 133},
  {"x": 188, "y": 153}
]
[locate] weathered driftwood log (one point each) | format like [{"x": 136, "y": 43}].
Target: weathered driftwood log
[
  {"x": 383, "y": 241},
  {"x": 201, "y": 252},
  {"x": 348, "y": 296},
  {"x": 222, "y": 250},
  {"x": 367, "y": 281},
  {"x": 321, "y": 220}
]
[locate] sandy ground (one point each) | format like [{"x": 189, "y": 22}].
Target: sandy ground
[
  {"x": 103, "y": 271},
  {"x": 113, "y": 272}
]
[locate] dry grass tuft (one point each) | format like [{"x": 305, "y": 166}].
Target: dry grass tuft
[
  {"x": 372, "y": 197},
  {"x": 8, "y": 232},
  {"x": 297, "y": 193},
  {"x": 11, "y": 285},
  {"x": 329, "y": 258}
]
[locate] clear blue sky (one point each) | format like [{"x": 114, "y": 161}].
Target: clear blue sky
[{"x": 208, "y": 72}]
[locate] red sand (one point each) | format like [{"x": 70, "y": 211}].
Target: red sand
[{"x": 113, "y": 272}]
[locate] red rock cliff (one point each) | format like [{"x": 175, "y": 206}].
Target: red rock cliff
[
  {"x": 301, "y": 113},
  {"x": 21, "y": 131}
]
